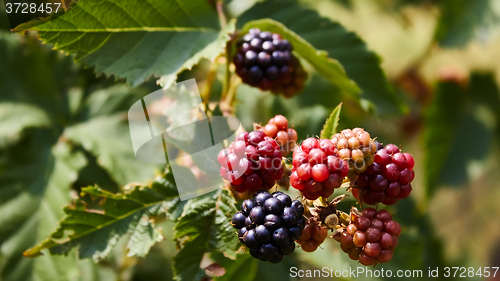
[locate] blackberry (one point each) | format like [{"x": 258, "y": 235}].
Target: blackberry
[
  {"x": 313, "y": 235},
  {"x": 317, "y": 168},
  {"x": 265, "y": 60},
  {"x": 268, "y": 224},
  {"x": 277, "y": 128},
  {"x": 388, "y": 179},
  {"x": 356, "y": 147},
  {"x": 252, "y": 162},
  {"x": 370, "y": 237}
]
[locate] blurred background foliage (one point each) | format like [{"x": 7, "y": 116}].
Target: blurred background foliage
[{"x": 436, "y": 94}]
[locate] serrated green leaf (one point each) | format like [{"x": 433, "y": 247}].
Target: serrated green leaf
[
  {"x": 136, "y": 40},
  {"x": 459, "y": 128},
  {"x": 360, "y": 64},
  {"x": 330, "y": 127},
  {"x": 330, "y": 68},
  {"x": 143, "y": 237},
  {"x": 95, "y": 232},
  {"x": 202, "y": 228}
]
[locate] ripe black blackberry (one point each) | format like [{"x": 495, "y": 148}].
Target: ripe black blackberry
[
  {"x": 268, "y": 224},
  {"x": 265, "y": 60},
  {"x": 252, "y": 162},
  {"x": 370, "y": 237}
]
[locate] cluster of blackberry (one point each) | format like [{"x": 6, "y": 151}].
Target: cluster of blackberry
[
  {"x": 268, "y": 224},
  {"x": 317, "y": 169},
  {"x": 356, "y": 147},
  {"x": 371, "y": 237},
  {"x": 388, "y": 179},
  {"x": 277, "y": 128},
  {"x": 265, "y": 60},
  {"x": 252, "y": 162}
]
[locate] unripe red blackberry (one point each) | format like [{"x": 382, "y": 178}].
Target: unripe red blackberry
[
  {"x": 356, "y": 147},
  {"x": 268, "y": 224},
  {"x": 277, "y": 128},
  {"x": 370, "y": 238},
  {"x": 317, "y": 168},
  {"x": 388, "y": 179},
  {"x": 252, "y": 162},
  {"x": 313, "y": 235},
  {"x": 265, "y": 60}
]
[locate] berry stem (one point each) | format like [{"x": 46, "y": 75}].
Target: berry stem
[
  {"x": 212, "y": 75},
  {"x": 226, "y": 87},
  {"x": 220, "y": 12}
]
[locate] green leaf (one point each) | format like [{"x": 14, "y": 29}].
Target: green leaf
[
  {"x": 328, "y": 67},
  {"x": 34, "y": 187},
  {"x": 21, "y": 57},
  {"x": 462, "y": 20},
  {"x": 12, "y": 123},
  {"x": 459, "y": 128},
  {"x": 107, "y": 137},
  {"x": 202, "y": 228},
  {"x": 330, "y": 127},
  {"x": 108, "y": 101},
  {"x": 136, "y": 40},
  {"x": 244, "y": 268},
  {"x": 360, "y": 64},
  {"x": 36, "y": 170},
  {"x": 247, "y": 268},
  {"x": 95, "y": 232}
]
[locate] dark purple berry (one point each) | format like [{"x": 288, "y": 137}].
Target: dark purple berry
[
  {"x": 255, "y": 73},
  {"x": 281, "y": 236},
  {"x": 273, "y": 222},
  {"x": 288, "y": 248},
  {"x": 290, "y": 216},
  {"x": 246, "y": 206},
  {"x": 257, "y": 215},
  {"x": 273, "y": 206},
  {"x": 265, "y": 60},
  {"x": 295, "y": 232},
  {"x": 262, "y": 234},
  {"x": 238, "y": 220},
  {"x": 261, "y": 197},
  {"x": 272, "y": 73},
  {"x": 250, "y": 58},
  {"x": 285, "y": 199},
  {"x": 249, "y": 239},
  {"x": 249, "y": 224}
]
